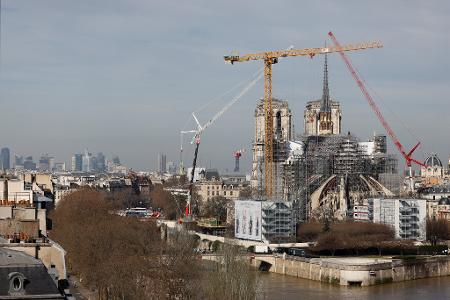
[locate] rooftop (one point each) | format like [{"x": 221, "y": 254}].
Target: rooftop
[{"x": 10, "y": 258}]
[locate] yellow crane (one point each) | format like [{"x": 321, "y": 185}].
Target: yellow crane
[{"x": 270, "y": 58}]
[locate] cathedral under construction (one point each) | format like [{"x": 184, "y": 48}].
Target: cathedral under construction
[{"x": 322, "y": 168}]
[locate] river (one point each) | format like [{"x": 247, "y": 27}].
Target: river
[{"x": 275, "y": 286}]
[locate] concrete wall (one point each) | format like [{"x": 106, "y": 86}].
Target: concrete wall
[
  {"x": 6, "y": 212},
  {"x": 9, "y": 227},
  {"x": 45, "y": 180},
  {"x": 361, "y": 274},
  {"x": 415, "y": 269}
]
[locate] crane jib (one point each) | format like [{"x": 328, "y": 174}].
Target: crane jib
[{"x": 375, "y": 108}]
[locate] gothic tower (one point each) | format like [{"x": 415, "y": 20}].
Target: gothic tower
[{"x": 323, "y": 116}]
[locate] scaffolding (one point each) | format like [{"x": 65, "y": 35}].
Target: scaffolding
[
  {"x": 278, "y": 221},
  {"x": 282, "y": 134},
  {"x": 357, "y": 173}
]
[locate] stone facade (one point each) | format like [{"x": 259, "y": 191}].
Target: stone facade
[
  {"x": 282, "y": 126},
  {"x": 312, "y": 118},
  {"x": 213, "y": 188}
]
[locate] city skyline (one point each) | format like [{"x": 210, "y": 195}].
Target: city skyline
[
  {"x": 187, "y": 149},
  {"x": 93, "y": 74}
]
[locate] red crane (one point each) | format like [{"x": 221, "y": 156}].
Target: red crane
[
  {"x": 373, "y": 105},
  {"x": 237, "y": 156}
]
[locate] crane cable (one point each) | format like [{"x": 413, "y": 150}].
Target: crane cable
[
  {"x": 229, "y": 91},
  {"x": 229, "y": 104},
  {"x": 260, "y": 71},
  {"x": 385, "y": 104},
  {"x": 251, "y": 82}
]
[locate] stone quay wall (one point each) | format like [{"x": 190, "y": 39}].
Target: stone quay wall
[{"x": 355, "y": 271}]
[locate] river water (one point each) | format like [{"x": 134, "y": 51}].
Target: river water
[{"x": 275, "y": 286}]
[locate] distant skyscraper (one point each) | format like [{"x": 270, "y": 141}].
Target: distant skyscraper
[
  {"x": 51, "y": 163},
  {"x": 5, "y": 159},
  {"x": 46, "y": 163},
  {"x": 171, "y": 167},
  {"x": 28, "y": 164},
  {"x": 161, "y": 163},
  {"x": 87, "y": 161},
  {"x": 100, "y": 162},
  {"x": 77, "y": 163},
  {"x": 93, "y": 163},
  {"x": 116, "y": 160},
  {"x": 18, "y": 161},
  {"x": 59, "y": 167}
]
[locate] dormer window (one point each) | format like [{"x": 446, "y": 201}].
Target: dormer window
[{"x": 17, "y": 283}]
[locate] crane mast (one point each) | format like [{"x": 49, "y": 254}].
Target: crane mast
[
  {"x": 237, "y": 156},
  {"x": 181, "y": 170},
  {"x": 270, "y": 58}
]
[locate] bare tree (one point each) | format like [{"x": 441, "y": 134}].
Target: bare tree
[
  {"x": 330, "y": 242},
  {"x": 437, "y": 230},
  {"x": 308, "y": 232},
  {"x": 354, "y": 236},
  {"x": 325, "y": 216},
  {"x": 232, "y": 277},
  {"x": 119, "y": 257},
  {"x": 215, "y": 207},
  {"x": 179, "y": 275},
  {"x": 170, "y": 205}
]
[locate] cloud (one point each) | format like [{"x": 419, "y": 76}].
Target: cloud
[{"x": 123, "y": 76}]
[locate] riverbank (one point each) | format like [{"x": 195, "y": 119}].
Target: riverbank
[{"x": 355, "y": 271}]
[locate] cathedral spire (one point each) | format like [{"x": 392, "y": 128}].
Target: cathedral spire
[{"x": 326, "y": 102}]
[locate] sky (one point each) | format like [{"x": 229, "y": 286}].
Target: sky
[{"x": 123, "y": 76}]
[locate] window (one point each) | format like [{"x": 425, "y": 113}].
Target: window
[
  {"x": 17, "y": 283},
  {"x": 231, "y": 193},
  {"x": 278, "y": 120}
]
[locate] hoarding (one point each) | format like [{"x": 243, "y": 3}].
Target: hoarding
[{"x": 247, "y": 220}]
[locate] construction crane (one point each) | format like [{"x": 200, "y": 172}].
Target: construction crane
[
  {"x": 270, "y": 58},
  {"x": 198, "y": 133},
  {"x": 182, "y": 133},
  {"x": 406, "y": 155},
  {"x": 237, "y": 156},
  {"x": 196, "y": 139},
  {"x": 200, "y": 128}
]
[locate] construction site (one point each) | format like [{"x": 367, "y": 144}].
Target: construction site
[
  {"x": 321, "y": 168},
  {"x": 321, "y": 171}
]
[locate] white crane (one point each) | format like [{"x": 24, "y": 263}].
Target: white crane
[
  {"x": 200, "y": 128},
  {"x": 182, "y": 133}
]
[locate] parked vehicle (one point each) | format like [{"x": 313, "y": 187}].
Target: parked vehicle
[
  {"x": 262, "y": 249},
  {"x": 300, "y": 252}
]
